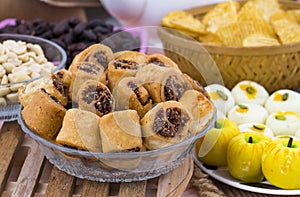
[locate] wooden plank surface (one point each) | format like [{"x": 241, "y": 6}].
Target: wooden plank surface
[
  {"x": 30, "y": 173},
  {"x": 10, "y": 138},
  {"x": 92, "y": 188},
  {"x": 60, "y": 184},
  {"x": 137, "y": 189},
  {"x": 175, "y": 183}
]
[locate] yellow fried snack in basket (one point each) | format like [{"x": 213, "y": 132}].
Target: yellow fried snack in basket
[
  {"x": 221, "y": 15},
  {"x": 295, "y": 14},
  {"x": 234, "y": 33},
  {"x": 184, "y": 21},
  {"x": 267, "y": 7},
  {"x": 210, "y": 38},
  {"x": 259, "y": 40},
  {"x": 286, "y": 27},
  {"x": 249, "y": 12},
  {"x": 249, "y": 22}
]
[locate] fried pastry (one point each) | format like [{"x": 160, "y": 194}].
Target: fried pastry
[
  {"x": 165, "y": 124},
  {"x": 98, "y": 54},
  {"x": 183, "y": 21},
  {"x": 95, "y": 97},
  {"x": 162, "y": 83},
  {"x": 80, "y": 129},
  {"x": 66, "y": 77},
  {"x": 125, "y": 64},
  {"x": 196, "y": 85},
  {"x": 121, "y": 131},
  {"x": 52, "y": 83},
  {"x": 82, "y": 72},
  {"x": 221, "y": 15},
  {"x": 200, "y": 108},
  {"x": 161, "y": 60},
  {"x": 44, "y": 114},
  {"x": 131, "y": 94}
]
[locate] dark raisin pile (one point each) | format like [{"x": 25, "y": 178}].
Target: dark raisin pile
[{"x": 74, "y": 35}]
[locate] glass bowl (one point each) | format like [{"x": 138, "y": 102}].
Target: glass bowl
[
  {"x": 116, "y": 167},
  {"x": 9, "y": 103}
]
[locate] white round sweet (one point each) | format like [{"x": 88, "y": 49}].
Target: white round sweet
[
  {"x": 283, "y": 123},
  {"x": 249, "y": 92},
  {"x": 283, "y": 100},
  {"x": 256, "y": 127},
  {"x": 221, "y": 97},
  {"x": 297, "y": 133},
  {"x": 220, "y": 114},
  {"x": 248, "y": 112}
]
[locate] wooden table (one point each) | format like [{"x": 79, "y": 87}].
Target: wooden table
[{"x": 24, "y": 171}]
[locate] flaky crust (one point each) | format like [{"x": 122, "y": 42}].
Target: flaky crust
[
  {"x": 53, "y": 85},
  {"x": 200, "y": 107},
  {"x": 97, "y": 53},
  {"x": 121, "y": 131},
  {"x": 131, "y": 94},
  {"x": 43, "y": 115},
  {"x": 80, "y": 130},
  {"x": 157, "y": 118},
  {"x": 124, "y": 64}
]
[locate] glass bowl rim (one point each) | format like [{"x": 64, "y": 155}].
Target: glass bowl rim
[
  {"x": 23, "y": 37},
  {"x": 115, "y": 155}
]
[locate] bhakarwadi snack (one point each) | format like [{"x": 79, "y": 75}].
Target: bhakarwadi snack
[
  {"x": 53, "y": 83},
  {"x": 121, "y": 131},
  {"x": 97, "y": 53},
  {"x": 95, "y": 97},
  {"x": 196, "y": 85},
  {"x": 165, "y": 124},
  {"x": 83, "y": 71},
  {"x": 124, "y": 64},
  {"x": 80, "y": 130},
  {"x": 44, "y": 114},
  {"x": 131, "y": 94},
  {"x": 200, "y": 108},
  {"x": 161, "y": 60},
  {"x": 162, "y": 83}
]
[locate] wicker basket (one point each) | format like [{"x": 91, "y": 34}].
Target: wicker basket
[{"x": 274, "y": 67}]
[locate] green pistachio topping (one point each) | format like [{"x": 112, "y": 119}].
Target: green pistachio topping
[
  {"x": 285, "y": 96},
  {"x": 242, "y": 106},
  {"x": 280, "y": 117},
  {"x": 222, "y": 95},
  {"x": 250, "y": 90},
  {"x": 259, "y": 127}
]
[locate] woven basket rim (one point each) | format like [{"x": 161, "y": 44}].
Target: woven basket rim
[{"x": 193, "y": 44}]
